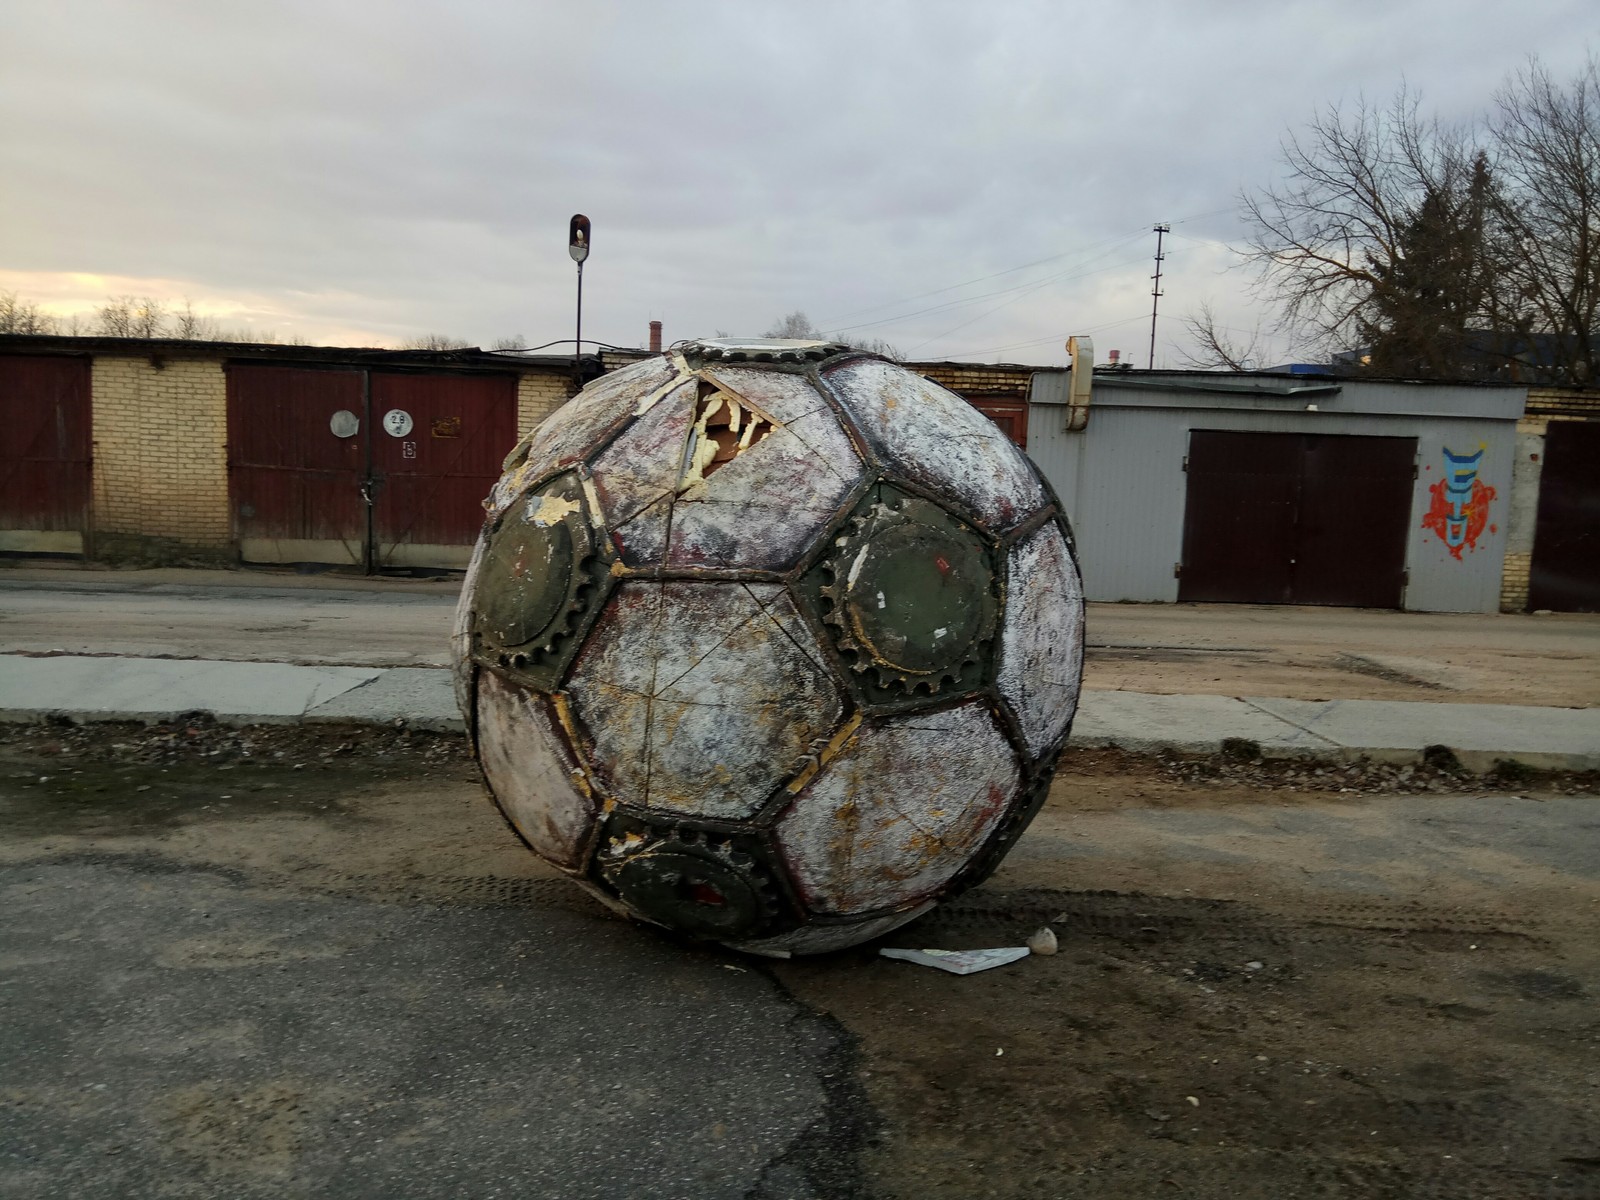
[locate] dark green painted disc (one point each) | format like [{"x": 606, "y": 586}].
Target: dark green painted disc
[
  {"x": 524, "y": 579},
  {"x": 917, "y": 595}
]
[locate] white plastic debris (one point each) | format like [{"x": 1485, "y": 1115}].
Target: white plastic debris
[
  {"x": 1043, "y": 941},
  {"x": 959, "y": 962}
]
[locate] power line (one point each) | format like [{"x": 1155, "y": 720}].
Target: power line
[
  {"x": 1008, "y": 346},
  {"x": 829, "y": 321},
  {"x": 949, "y": 304},
  {"x": 1042, "y": 341},
  {"x": 1021, "y": 293},
  {"x": 952, "y": 287},
  {"x": 1196, "y": 216}
]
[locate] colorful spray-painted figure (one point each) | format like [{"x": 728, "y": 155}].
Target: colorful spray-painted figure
[
  {"x": 770, "y": 642},
  {"x": 1460, "y": 507}
]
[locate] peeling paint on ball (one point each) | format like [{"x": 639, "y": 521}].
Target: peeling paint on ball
[{"x": 773, "y": 643}]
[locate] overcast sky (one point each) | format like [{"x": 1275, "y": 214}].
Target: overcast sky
[{"x": 973, "y": 180}]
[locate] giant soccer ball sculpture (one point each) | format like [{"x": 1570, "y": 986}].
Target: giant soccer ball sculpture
[{"x": 770, "y": 642}]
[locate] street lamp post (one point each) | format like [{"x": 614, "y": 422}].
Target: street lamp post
[{"x": 578, "y": 234}]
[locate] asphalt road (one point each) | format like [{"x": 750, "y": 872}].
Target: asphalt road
[
  {"x": 193, "y": 1006},
  {"x": 229, "y": 615}
]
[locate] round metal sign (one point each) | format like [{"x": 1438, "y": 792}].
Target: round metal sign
[
  {"x": 344, "y": 423},
  {"x": 398, "y": 422}
]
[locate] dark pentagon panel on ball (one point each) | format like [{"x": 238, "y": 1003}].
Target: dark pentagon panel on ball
[{"x": 772, "y": 643}]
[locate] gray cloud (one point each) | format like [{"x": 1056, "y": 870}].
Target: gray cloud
[{"x": 396, "y": 168}]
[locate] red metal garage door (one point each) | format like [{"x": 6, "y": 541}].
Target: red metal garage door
[
  {"x": 1009, "y": 411},
  {"x": 1289, "y": 518},
  {"x": 430, "y": 479},
  {"x": 1565, "y": 573},
  {"x": 379, "y": 469},
  {"x": 44, "y": 454},
  {"x": 296, "y": 464}
]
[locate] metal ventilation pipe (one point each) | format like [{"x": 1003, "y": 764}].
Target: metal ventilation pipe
[{"x": 1080, "y": 382}]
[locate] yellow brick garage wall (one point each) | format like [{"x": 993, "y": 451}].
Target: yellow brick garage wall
[
  {"x": 538, "y": 396},
  {"x": 977, "y": 378},
  {"x": 1514, "y": 582},
  {"x": 161, "y": 459}
]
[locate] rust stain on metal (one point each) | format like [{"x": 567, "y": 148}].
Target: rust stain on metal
[
  {"x": 666, "y": 389},
  {"x": 939, "y": 440},
  {"x": 851, "y": 838},
  {"x": 531, "y": 771},
  {"x": 718, "y": 710},
  {"x": 569, "y": 433},
  {"x": 827, "y": 754},
  {"x": 643, "y": 464},
  {"x": 1041, "y": 653},
  {"x": 563, "y": 709}
]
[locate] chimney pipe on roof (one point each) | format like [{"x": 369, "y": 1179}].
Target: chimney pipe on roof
[{"x": 655, "y": 337}]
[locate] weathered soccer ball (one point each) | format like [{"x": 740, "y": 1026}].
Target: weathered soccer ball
[{"x": 770, "y": 642}]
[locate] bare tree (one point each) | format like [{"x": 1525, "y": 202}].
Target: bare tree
[
  {"x": 510, "y": 343},
  {"x": 875, "y": 346},
  {"x": 1334, "y": 238},
  {"x": 798, "y": 325},
  {"x": 1443, "y": 252},
  {"x": 795, "y": 325},
  {"x": 1216, "y": 348},
  {"x": 131, "y": 317},
  {"x": 435, "y": 341},
  {"x": 23, "y": 316},
  {"x": 114, "y": 318},
  {"x": 1547, "y": 138},
  {"x": 191, "y": 326}
]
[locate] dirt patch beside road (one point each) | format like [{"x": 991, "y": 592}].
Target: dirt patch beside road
[
  {"x": 1259, "y": 993},
  {"x": 1345, "y": 654}
]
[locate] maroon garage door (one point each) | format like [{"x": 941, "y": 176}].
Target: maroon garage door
[
  {"x": 1565, "y": 573},
  {"x": 1290, "y": 518},
  {"x": 44, "y": 454},
  {"x": 430, "y": 481},
  {"x": 1008, "y": 410},
  {"x": 376, "y": 469}
]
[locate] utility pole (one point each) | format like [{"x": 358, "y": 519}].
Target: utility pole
[{"x": 1155, "y": 292}]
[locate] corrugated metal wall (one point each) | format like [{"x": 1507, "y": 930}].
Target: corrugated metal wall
[{"x": 1122, "y": 479}]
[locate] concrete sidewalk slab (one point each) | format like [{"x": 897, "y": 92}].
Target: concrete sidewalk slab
[
  {"x": 161, "y": 689},
  {"x": 1555, "y": 738},
  {"x": 1188, "y": 724},
  {"x": 422, "y": 697},
  {"x": 243, "y": 693}
]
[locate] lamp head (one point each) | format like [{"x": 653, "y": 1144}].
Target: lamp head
[{"x": 578, "y": 238}]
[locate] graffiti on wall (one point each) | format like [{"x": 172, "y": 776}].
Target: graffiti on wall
[{"x": 1459, "y": 510}]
